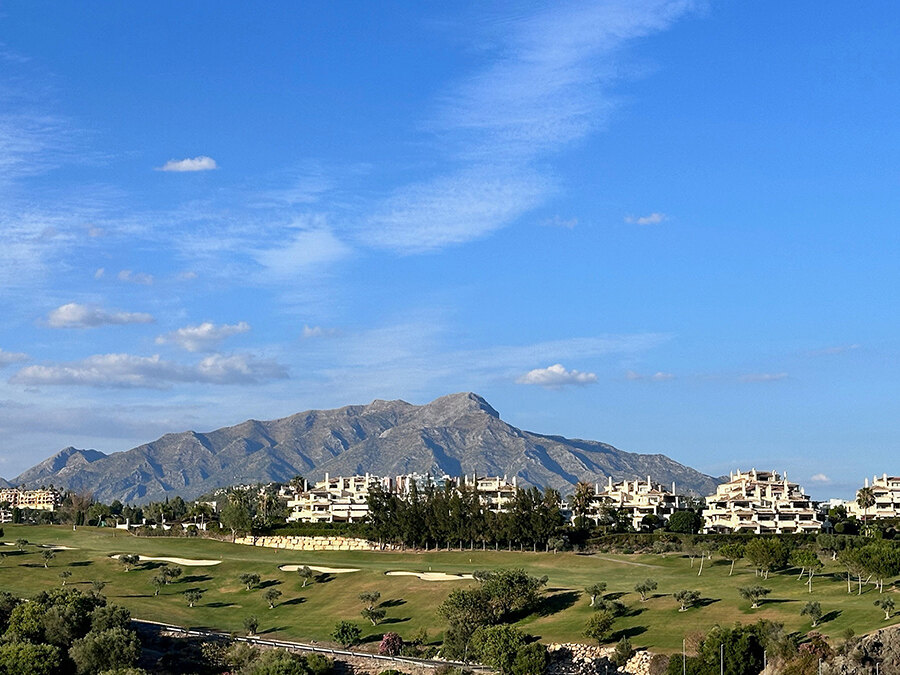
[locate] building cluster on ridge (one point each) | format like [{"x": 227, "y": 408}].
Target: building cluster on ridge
[
  {"x": 43, "y": 499},
  {"x": 760, "y": 502}
]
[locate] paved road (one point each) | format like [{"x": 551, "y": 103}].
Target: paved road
[{"x": 302, "y": 646}]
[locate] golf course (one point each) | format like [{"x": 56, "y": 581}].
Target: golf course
[{"x": 410, "y": 599}]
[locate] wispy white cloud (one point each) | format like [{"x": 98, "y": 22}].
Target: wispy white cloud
[
  {"x": 204, "y": 337},
  {"x": 763, "y": 377},
  {"x": 201, "y": 163},
  {"x": 819, "y": 478},
  {"x": 307, "y": 248},
  {"x": 455, "y": 208},
  {"x": 559, "y": 221},
  {"x": 151, "y": 372},
  {"x": 75, "y": 315},
  {"x": 9, "y": 358},
  {"x": 654, "y": 218},
  {"x": 99, "y": 272},
  {"x": 658, "y": 376},
  {"x": 833, "y": 351},
  {"x": 135, "y": 277},
  {"x": 556, "y": 376}
]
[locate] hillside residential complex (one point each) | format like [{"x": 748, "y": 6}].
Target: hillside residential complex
[
  {"x": 886, "y": 491},
  {"x": 343, "y": 499},
  {"x": 44, "y": 499},
  {"x": 638, "y": 499},
  {"x": 761, "y": 502}
]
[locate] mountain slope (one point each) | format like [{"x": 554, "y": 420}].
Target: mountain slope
[{"x": 455, "y": 434}]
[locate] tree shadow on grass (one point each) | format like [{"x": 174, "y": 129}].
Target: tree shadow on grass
[
  {"x": 392, "y": 619},
  {"x": 775, "y": 601},
  {"x": 325, "y": 578},
  {"x": 614, "y": 596},
  {"x": 273, "y": 629},
  {"x": 196, "y": 578},
  {"x": 396, "y": 602},
  {"x": 268, "y": 583},
  {"x": 294, "y": 601},
  {"x": 634, "y": 611},
  {"x": 831, "y": 616},
  {"x": 219, "y": 604},
  {"x": 706, "y": 602},
  {"x": 370, "y": 638},
  {"x": 81, "y": 563},
  {"x": 552, "y": 604},
  {"x": 629, "y": 633}
]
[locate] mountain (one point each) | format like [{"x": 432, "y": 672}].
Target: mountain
[{"x": 455, "y": 434}]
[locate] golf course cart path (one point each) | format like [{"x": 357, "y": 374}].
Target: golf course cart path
[
  {"x": 317, "y": 568},
  {"x": 431, "y": 576},
  {"x": 187, "y": 562}
]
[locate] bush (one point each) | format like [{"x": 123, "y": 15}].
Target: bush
[
  {"x": 624, "y": 651},
  {"x": 106, "y": 650},
  {"x": 391, "y": 644},
  {"x": 319, "y": 664},
  {"x": 530, "y": 660}
]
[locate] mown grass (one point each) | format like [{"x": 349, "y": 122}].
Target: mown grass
[{"x": 310, "y": 613}]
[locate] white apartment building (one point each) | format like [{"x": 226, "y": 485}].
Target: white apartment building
[
  {"x": 343, "y": 499},
  {"x": 760, "y": 502},
  {"x": 886, "y": 491},
  {"x": 45, "y": 499},
  {"x": 638, "y": 498}
]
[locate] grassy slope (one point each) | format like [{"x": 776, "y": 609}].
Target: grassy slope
[{"x": 310, "y": 613}]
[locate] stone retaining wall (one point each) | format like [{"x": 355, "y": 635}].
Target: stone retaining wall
[
  {"x": 300, "y": 543},
  {"x": 581, "y": 659}
]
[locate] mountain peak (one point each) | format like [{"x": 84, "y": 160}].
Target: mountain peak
[{"x": 462, "y": 403}]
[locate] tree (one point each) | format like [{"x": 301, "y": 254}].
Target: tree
[
  {"x": 813, "y": 610},
  {"x": 497, "y": 646},
  {"x": 766, "y": 555},
  {"x": 47, "y": 556},
  {"x": 886, "y": 605},
  {"x": 158, "y": 581},
  {"x": 808, "y": 562},
  {"x": 370, "y": 598},
  {"x": 465, "y": 610},
  {"x": 110, "y": 616},
  {"x": 64, "y": 575},
  {"x": 306, "y": 574},
  {"x": 105, "y": 650},
  {"x": 193, "y": 596},
  {"x": 530, "y": 660},
  {"x": 21, "y": 544},
  {"x": 865, "y": 499},
  {"x": 732, "y": 553},
  {"x": 624, "y": 651},
  {"x": 97, "y": 586},
  {"x": 754, "y": 594},
  {"x": 26, "y": 658},
  {"x": 391, "y": 644},
  {"x": 645, "y": 587},
  {"x": 686, "y": 599},
  {"x": 129, "y": 560},
  {"x": 276, "y": 662},
  {"x": 599, "y": 626},
  {"x": 249, "y": 579},
  {"x": 373, "y": 614},
  {"x": 346, "y": 634},
  {"x": 170, "y": 573},
  {"x": 251, "y": 625},
  {"x": 687, "y": 522},
  {"x": 236, "y": 517},
  {"x": 595, "y": 590},
  {"x": 271, "y": 596}
]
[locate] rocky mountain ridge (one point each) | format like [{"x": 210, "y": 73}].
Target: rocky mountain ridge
[{"x": 454, "y": 434}]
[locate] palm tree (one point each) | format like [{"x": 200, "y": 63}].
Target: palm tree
[{"x": 865, "y": 498}]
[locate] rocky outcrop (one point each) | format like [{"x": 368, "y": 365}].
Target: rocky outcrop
[
  {"x": 881, "y": 647},
  {"x": 579, "y": 659},
  {"x": 315, "y": 543}
]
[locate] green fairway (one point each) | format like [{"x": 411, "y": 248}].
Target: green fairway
[{"x": 310, "y": 613}]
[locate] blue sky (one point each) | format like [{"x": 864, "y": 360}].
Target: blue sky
[{"x": 670, "y": 226}]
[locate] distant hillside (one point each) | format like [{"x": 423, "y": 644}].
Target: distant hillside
[{"x": 455, "y": 434}]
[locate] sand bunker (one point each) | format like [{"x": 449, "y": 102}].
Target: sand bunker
[
  {"x": 187, "y": 562},
  {"x": 317, "y": 568},
  {"x": 431, "y": 576},
  {"x": 58, "y": 547}
]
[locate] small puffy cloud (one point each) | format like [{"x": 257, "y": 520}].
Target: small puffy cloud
[
  {"x": 819, "y": 478},
  {"x": 201, "y": 163},
  {"x": 8, "y": 358},
  {"x": 316, "y": 332},
  {"x": 204, "y": 337},
  {"x": 763, "y": 377},
  {"x": 135, "y": 277},
  {"x": 99, "y": 273},
  {"x": 658, "y": 376},
  {"x": 654, "y": 218},
  {"x": 74, "y": 315},
  {"x": 151, "y": 372},
  {"x": 556, "y": 376},
  {"x": 186, "y": 276}
]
